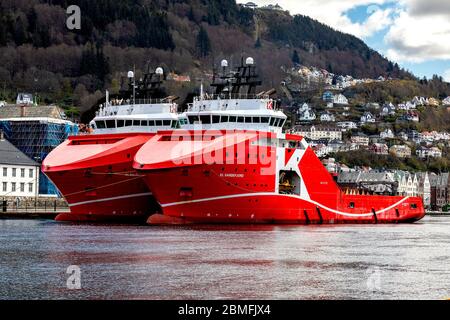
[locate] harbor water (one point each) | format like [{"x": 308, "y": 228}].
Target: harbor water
[{"x": 43, "y": 259}]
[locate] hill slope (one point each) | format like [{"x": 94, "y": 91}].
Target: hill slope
[{"x": 72, "y": 68}]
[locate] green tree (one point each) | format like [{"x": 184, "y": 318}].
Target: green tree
[{"x": 203, "y": 43}]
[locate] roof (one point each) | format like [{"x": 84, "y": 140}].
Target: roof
[
  {"x": 14, "y": 111},
  {"x": 10, "y": 155}
]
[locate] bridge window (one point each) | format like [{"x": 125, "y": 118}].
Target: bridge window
[
  {"x": 100, "y": 124},
  {"x": 272, "y": 121},
  {"x": 225, "y": 119},
  {"x": 256, "y": 120},
  {"x": 232, "y": 119},
  {"x": 151, "y": 123},
  {"x": 193, "y": 119},
  {"x": 166, "y": 122},
  {"x": 128, "y": 123},
  {"x": 205, "y": 119},
  {"x": 144, "y": 123},
  {"x": 264, "y": 119},
  {"x": 136, "y": 122},
  {"x": 158, "y": 122},
  {"x": 110, "y": 124},
  {"x": 215, "y": 119},
  {"x": 120, "y": 123},
  {"x": 240, "y": 119},
  {"x": 248, "y": 119}
]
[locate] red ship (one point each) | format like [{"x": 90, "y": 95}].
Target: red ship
[
  {"x": 286, "y": 185},
  {"x": 94, "y": 172},
  {"x": 241, "y": 168}
]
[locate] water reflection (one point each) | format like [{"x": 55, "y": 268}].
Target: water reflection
[{"x": 226, "y": 262}]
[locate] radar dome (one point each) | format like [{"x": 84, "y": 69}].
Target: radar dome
[
  {"x": 159, "y": 71},
  {"x": 130, "y": 74},
  {"x": 224, "y": 63},
  {"x": 250, "y": 61}
]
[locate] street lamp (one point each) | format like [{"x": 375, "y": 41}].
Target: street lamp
[{"x": 131, "y": 76}]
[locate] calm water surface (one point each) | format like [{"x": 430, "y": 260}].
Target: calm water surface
[{"x": 264, "y": 262}]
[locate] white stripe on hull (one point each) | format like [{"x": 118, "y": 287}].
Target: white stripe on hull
[
  {"x": 137, "y": 195},
  {"x": 265, "y": 194}
]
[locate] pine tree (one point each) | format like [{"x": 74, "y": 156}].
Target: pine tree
[
  {"x": 258, "y": 43},
  {"x": 203, "y": 43},
  {"x": 296, "y": 58}
]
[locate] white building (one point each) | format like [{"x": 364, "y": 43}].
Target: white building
[
  {"x": 347, "y": 125},
  {"x": 424, "y": 152},
  {"x": 340, "y": 99},
  {"x": 19, "y": 175},
  {"x": 319, "y": 132},
  {"x": 367, "y": 117},
  {"x": 24, "y": 98},
  {"x": 305, "y": 113},
  {"x": 327, "y": 117},
  {"x": 424, "y": 188},
  {"x": 387, "y": 134},
  {"x": 446, "y": 101},
  {"x": 408, "y": 184}
]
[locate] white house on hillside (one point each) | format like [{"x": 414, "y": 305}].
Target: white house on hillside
[
  {"x": 327, "y": 117},
  {"x": 367, "y": 117},
  {"x": 340, "y": 99},
  {"x": 24, "y": 98}
]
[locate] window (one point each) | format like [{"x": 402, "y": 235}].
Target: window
[
  {"x": 13, "y": 186},
  {"x": 30, "y": 173},
  {"x": 193, "y": 119},
  {"x": 110, "y": 124},
  {"x": 128, "y": 123},
  {"x": 248, "y": 119},
  {"x": 215, "y": 119},
  {"x": 205, "y": 119},
  {"x": 144, "y": 123},
  {"x": 120, "y": 123},
  {"x": 151, "y": 123},
  {"x": 240, "y": 119},
  {"x": 5, "y": 172},
  {"x": 5, "y": 186},
  {"x": 265, "y": 120},
  {"x": 351, "y": 205},
  {"x": 136, "y": 122},
  {"x": 22, "y": 173},
  {"x": 225, "y": 119},
  {"x": 100, "y": 124},
  {"x": 14, "y": 172},
  {"x": 272, "y": 121},
  {"x": 166, "y": 122},
  {"x": 158, "y": 122},
  {"x": 232, "y": 119},
  {"x": 256, "y": 120},
  {"x": 30, "y": 187},
  {"x": 22, "y": 187}
]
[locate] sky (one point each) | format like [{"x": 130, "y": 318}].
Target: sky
[{"x": 413, "y": 33}]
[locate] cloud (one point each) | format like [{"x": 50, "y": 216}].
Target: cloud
[
  {"x": 415, "y": 38},
  {"x": 428, "y": 7},
  {"x": 413, "y": 30}
]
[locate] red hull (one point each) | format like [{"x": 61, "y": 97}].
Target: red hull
[
  {"x": 95, "y": 176},
  {"x": 239, "y": 193}
]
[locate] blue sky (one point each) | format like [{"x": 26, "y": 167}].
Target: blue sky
[{"x": 413, "y": 33}]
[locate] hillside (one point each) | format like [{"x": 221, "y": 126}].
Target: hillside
[{"x": 72, "y": 68}]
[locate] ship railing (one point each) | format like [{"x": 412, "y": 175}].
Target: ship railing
[
  {"x": 232, "y": 96},
  {"x": 125, "y": 102}
]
